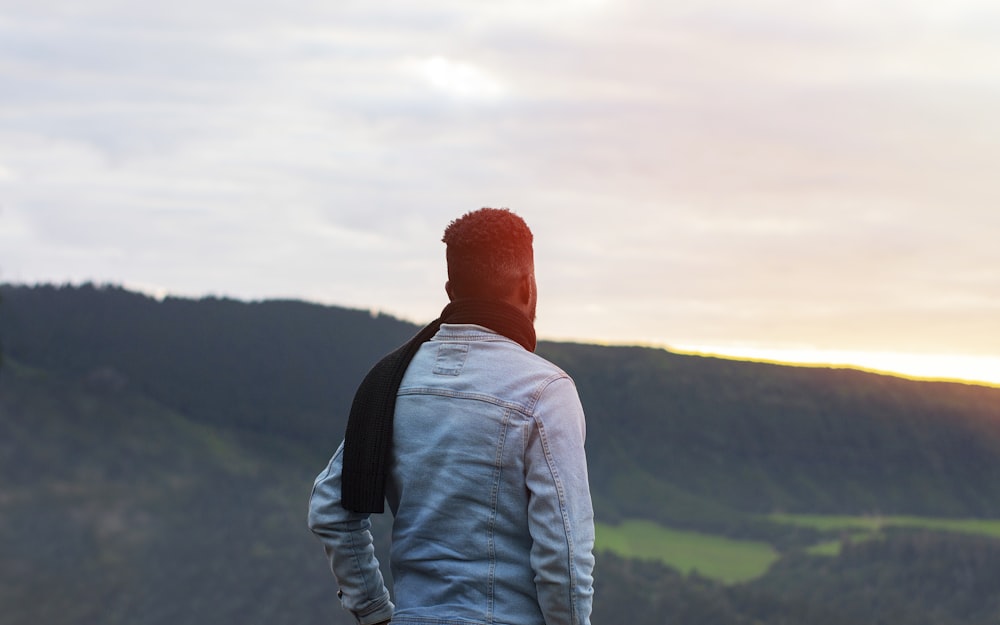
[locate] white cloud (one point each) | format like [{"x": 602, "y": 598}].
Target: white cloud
[
  {"x": 459, "y": 79},
  {"x": 789, "y": 172}
]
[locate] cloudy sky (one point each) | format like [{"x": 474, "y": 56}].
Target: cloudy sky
[{"x": 811, "y": 180}]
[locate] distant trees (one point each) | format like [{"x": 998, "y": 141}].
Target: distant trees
[
  {"x": 280, "y": 368},
  {"x": 702, "y": 443},
  {"x": 906, "y": 578},
  {"x": 679, "y": 436},
  {"x": 166, "y": 449}
]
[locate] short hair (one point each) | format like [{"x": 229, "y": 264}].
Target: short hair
[{"x": 488, "y": 251}]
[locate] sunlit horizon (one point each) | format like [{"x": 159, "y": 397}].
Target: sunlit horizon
[
  {"x": 945, "y": 367},
  {"x": 804, "y": 183},
  {"x": 969, "y": 369}
]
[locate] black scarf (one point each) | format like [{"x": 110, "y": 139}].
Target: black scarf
[{"x": 368, "y": 439}]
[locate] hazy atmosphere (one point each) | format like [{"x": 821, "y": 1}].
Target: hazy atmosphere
[{"x": 776, "y": 178}]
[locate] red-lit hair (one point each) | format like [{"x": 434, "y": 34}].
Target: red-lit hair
[{"x": 488, "y": 250}]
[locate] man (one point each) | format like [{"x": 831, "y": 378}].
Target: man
[{"x": 478, "y": 446}]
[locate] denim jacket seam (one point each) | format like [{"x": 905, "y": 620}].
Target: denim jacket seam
[
  {"x": 494, "y": 510},
  {"x": 376, "y": 607},
  {"x": 356, "y": 560},
  {"x": 432, "y": 620},
  {"x": 465, "y": 336},
  {"x": 424, "y": 390},
  {"x": 540, "y": 390},
  {"x": 561, "y": 498}
]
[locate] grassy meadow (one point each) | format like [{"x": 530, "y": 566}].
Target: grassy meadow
[
  {"x": 732, "y": 561},
  {"x": 716, "y": 557},
  {"x": 871, "y": 524}
]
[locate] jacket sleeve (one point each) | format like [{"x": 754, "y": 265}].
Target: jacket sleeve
[
  {"x": 560, "y": 513},
  {"x": 347, "y": 539}
]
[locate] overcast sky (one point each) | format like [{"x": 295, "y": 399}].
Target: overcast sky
[{"x": 773, "y": 174}]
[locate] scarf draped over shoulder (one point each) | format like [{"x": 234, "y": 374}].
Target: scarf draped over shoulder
[{"x": 368, "y": 439}]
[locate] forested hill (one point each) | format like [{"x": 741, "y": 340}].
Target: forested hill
[
  {"x": 677, "y": 438},
  {"x": 283, "y": 368},
  {"x": 156, "y": 459}
]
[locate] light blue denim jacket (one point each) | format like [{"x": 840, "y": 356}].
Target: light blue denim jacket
[{"x": 493, "y": 522}]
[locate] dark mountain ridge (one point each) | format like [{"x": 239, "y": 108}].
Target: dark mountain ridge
[
  {"x": 156, "y": 458},
  {"x": 671, "y": 437}
]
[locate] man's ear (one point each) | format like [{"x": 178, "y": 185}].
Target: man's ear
[{"x": 525, "y": 288}]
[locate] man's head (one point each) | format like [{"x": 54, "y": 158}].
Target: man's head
[{"x": 490, "y": 256}]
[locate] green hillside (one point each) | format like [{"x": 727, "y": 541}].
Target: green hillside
[
  {"x": 716, "y": 557},
  {"x": 276, "y": 367},
  {"x": 703, "y": 433},
  {"x": 675, "y": 438},
  {"x": 156, "y": 458},
  {"x": 116, "y": 509}
]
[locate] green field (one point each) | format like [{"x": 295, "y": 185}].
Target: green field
[
  {"x": 871, "y": 524},
  {"x": 860, "y": 528},
  {"x": 716, "y": 557},
  {"x": 832, "y": 547},
  {"x": 733, "y": 561}
]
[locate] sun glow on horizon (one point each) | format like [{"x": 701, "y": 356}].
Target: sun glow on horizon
[{"x": 969, "y": 369}]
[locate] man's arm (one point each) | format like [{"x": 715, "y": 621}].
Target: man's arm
[
  {"x": 560, "y": 513},
  {"x": 347, "y": 539}
]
